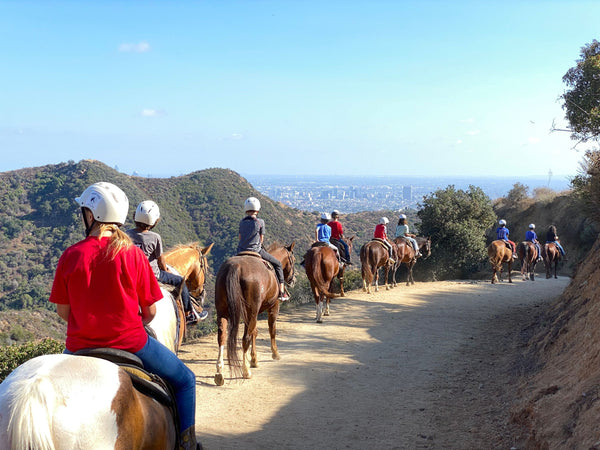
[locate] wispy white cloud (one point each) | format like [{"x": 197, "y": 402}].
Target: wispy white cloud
[
  {"x": 129, "y": 47},
  {"x": 149, "y": 112},
  {"x": 460, "y": 141},
  {"x": 473, "y": 132}
]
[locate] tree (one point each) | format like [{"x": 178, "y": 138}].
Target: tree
[
  {"x": 517, "y": 194},
  {"x": 582, "y": 100},
  {"x": 456, "y": 221}
]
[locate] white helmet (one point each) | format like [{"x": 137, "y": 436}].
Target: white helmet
[
  {"x": 147, "y": 212},
  {"x": 335, "y": 213},
  {"x": 325, "y": 216},
  {"x": 532, "y": 226},
  {"x": 384, "y": 220},
  {"x": 252, "y": 204},
  {"x": 502, "y": 222},
  {"x": 402, "y": 216},
  {"x": 107, "y": 202}
]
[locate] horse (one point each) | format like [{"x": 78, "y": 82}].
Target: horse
[
  {"x": 374, "y": 255},
  {"x": 551, "y": 255},
  {"x": 321, "y": 265},
  {"x": 65, "y": 401},
  {"x": 191, "y": 263},
  {"x": 528, "y": 255},
  {"x": 245, "y": 287},
  {"x": 79, "y": 402},
  {"x": 499, "y": 253},
  {"x": 406, "y": 254},
  {"x": 340, "y": 274}
]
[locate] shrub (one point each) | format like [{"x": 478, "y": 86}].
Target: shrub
[{"x": 13, "y": 356}]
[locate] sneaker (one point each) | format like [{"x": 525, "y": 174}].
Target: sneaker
[
  {"x": 418, "y": 255},
  {"x": 284, "y": 297},
  {"x": 392, "y": 261},
  {"x": 203, "y": 315}
]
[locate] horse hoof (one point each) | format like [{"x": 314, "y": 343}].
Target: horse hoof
[
  {"x": 255, "y": 365},
  {"x": 319, "y": 320},
  {"x": 219, "y": 379},
  {"x": 326, "y": 313},
  {"x": 247, "y": 375}
]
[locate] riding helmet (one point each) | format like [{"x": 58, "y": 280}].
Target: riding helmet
[
  {"x": 502, "y": 222},
  {"x": 384, "y": 220},
  {"x": 335, "y": 213},
  {"x": 252, "y": 204},
  {"x": 147, "y": 212},
  {"x": 107, "y": 202},
  {"x": 402, "y": 216},
  {"x": 531, "y": 226},
  {"x": 325, "y": 216}
]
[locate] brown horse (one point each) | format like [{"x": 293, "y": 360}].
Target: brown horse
[
  {"x": 406, "y": 255},
  {"x": 191, "y": 263},
  {"x": 373, "y": 256},
  {"x": 321, "y": 267},
  {"x": 499, "y": 253},
  {"x": 551, "y": 255},
  {"x": 528, "y": 255},
  {"x": 245, "y": 287}
]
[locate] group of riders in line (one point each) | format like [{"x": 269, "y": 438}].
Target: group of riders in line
[
  {"x": 330, "y": 231},
  {"x": 502, "y": 234}
]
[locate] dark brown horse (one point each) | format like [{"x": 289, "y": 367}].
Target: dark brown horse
[
  {"x": 499, "y": 253},
  {"x": 528, "y": 256},
  {"x": 245, "y": 287},
  {"x": 552, "y": 256},
  {"x": 374, "y": 255},
  {"x": 406, "y": 255},
  {"x": 321, "y": 267}
]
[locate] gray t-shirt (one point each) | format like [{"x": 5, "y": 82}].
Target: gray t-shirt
[
  {"x": 251, "y": 229},
  {"x": 150, "y": 243}
]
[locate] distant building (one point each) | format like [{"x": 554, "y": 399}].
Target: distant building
[{"x": 407, "y": 193}]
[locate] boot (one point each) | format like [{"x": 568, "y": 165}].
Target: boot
[{"x": 187, "y": 440}]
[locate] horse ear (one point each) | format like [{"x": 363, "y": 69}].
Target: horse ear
[
  {"x": 291, "y": 246},
  {"x": 352, "y": 238},
  {"x": 206, "y": 250}
]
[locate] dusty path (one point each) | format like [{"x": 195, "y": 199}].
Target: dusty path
[{"x": 427, "y": 366}]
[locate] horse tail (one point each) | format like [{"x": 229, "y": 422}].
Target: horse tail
[
  {"x": 315, "y": 275},
  {"x": 365, "y": 268},
  {"x": 29, "y": 425},
  {"x": 235, "y": 302}
]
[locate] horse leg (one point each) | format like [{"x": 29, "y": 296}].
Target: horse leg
[
  {"x": 273, "y": 313},
  {"x": 376, "y": 277},
  {"x": 387, "y": 275},
  {"x": 319, "y": 303},
  {"x": 221, "y": 338},
  {"x": 246, "y": 343},
  {"x": 509, "y": 269}
]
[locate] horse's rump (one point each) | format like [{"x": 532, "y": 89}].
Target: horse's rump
[{"x": 321, "y": 267}]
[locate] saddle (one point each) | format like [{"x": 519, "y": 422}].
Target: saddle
[
  {"x": 379, "y": 241},
  {"x": 319, "y": 244},
  {"x": 267, "y": 264}
]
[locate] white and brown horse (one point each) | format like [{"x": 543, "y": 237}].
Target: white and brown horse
[{"x": 79, "y": 402}]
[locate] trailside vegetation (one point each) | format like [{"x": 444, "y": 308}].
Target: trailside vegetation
[{"x": 456, "y": 220}]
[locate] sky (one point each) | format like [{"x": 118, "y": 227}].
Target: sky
[{"x": 352, "y": 87}]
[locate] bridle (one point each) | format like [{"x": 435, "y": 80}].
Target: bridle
[
  {"x": 200, "y": 292},
  {"x": 290, "y": 280}
]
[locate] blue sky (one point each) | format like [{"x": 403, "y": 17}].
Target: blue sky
[{"x": 421, "y": 88}]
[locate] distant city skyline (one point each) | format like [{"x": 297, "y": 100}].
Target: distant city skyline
[{"x": 354, "y": 194}]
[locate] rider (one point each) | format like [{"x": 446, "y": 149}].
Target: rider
[
  {"x": 251, "y": 236},
  {"x": 323, "y": 233},
  {"x": 147, "y": 215},
  {"x": 531, "y": 236},
  {"x": 402, "y": 231},
  {"x": 551, "y": 237},
  {"x": 502, "y": 234},
  {"x": 337, "y": 234},
  {"x": 381, "y": 233},
  {"x": 105, "y": 289}
]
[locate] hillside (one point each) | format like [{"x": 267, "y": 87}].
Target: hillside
[{"x": 561, "y": 386}]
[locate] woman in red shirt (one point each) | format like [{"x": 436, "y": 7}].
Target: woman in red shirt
[{"x": 105, "y": 289}]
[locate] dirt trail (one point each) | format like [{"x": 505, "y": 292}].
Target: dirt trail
[{"x": 427, "y": 366}]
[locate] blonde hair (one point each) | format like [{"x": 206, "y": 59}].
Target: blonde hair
[{"x": 119, "y": 240}]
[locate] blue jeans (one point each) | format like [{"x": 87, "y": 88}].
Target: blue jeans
[
  {"x": 275, "y": 262},
  {"x": 346, "y": 247},
  {"x": 175, "y": 280},
  {"x": 163, "y": 362},
  {"x": 562, "y": 250}
]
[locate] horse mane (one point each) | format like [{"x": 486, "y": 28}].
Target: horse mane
[
  {"x": 193, "y": 245},
  {"x": 274, "y": 246}
]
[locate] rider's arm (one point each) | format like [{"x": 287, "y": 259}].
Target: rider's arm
[
  {"x": 148, "y": 313},
  {"x": 63, "y": 311},
  {"x": 162, "y": 264}
]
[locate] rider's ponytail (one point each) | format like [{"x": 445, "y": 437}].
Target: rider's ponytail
[{"x": 119, "y": 240}]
